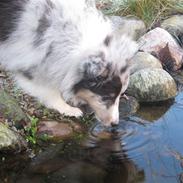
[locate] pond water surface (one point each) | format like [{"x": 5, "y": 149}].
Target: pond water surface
[{"x": 147, "y": 148}]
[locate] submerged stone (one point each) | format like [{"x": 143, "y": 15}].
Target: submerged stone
[{"x": 155, "y": 111}]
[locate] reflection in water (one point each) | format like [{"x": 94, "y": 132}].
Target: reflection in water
[
  {"x": 96, "y": 161},
  {"x": 152, "y": 112},
  {"x": 135, "y": 151}
]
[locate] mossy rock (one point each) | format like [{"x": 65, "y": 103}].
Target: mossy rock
[
  {"x": 10, "y": 140},
  {"x": 10, "y": 109},
  {"x": 152, "y": 85}
]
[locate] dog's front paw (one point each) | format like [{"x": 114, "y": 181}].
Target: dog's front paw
[{"x": 73, "y": 111}]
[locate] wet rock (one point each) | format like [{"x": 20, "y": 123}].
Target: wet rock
[
  {"x": 178, "y": 77},
  {"x": 134, "y": 28},
  {"x": 58, "y": 130},
  {"x": 10, "y": 109},
  {"x": 152, "y": 85},
  {"x": 10, "y": 140},
  {"x": 104, "y": 135},
  {"x": 174, "y": 25},
  {"x": 155, "y": 111},
  {"x": 144, "y": 60},
  {"x": 128, "y": 107},
  {"x": 165, "y": 49}
]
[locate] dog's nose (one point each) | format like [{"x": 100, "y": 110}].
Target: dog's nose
[{"x": 114, "y": 123}]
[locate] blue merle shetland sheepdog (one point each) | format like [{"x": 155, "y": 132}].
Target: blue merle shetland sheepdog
[{"x": 66, "y": 53}]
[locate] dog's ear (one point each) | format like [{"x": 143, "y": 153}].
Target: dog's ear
[{"x": 94, "y": 66}]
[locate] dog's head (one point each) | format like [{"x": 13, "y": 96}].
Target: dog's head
[{"x": 105, "y": 75}]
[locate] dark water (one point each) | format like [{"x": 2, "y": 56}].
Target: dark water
[{"x": 147, "y": 147}]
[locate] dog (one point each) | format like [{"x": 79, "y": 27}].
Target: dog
[{"x": 66, "y": 53}]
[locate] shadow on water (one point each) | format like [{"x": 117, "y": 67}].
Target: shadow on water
[{"x": 135, "y": 151}]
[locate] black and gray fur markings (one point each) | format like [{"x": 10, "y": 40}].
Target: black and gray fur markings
[
  {"x": 44, "y": 24},
  {"x": 107, "y": 89},
  {"x": 94, "y": 65},
  {"x": 123, "y": 69},
  {"x": 10, "y": 12},
  {"x": 107, "y": 40},
  {"x": 50, "y": 4},
  {"x": 27, "y": 74},
  {"x": 49, "y": 52}
]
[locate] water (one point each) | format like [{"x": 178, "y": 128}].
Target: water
[{"x": 142, "y": 148}]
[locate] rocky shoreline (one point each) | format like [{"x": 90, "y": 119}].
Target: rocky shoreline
[{"x": 156, "y": 76}]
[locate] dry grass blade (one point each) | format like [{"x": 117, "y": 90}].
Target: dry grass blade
[{"x": 150, "y": 11}]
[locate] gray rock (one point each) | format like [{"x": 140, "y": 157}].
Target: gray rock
[
  {"x": 178, "y": 77},
  {"x": 9, "y": 108},
  {"x": 144, "y": 60},
  {"x": 174, "y": 25},
  {"x": 125, "y": 25},
  {"x": 161, "y": 44},
  {"x": 152, "y": 85},
  {"x": 128, "y": 107},
  {"x": 10, "y": 140}
]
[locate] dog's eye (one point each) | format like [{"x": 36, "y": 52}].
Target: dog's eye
[
  {"x": 109, "y": 97},
  {"x": 106, "y": 97}
]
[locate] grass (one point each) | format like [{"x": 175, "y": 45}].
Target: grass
[
  {"x": 31, "y": 131},
  {"x": 150, "y": 11}
]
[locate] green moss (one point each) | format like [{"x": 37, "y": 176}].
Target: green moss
[{"x": 87, "y": 120}]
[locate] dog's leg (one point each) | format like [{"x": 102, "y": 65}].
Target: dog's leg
[
  {"x": 50, "y": 97},
  {"x": 55, "y": 101}
]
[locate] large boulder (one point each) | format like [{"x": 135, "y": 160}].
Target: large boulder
[
  {"x": 143, "y": 60},
  {"x": 132, "y": 27},
  {"x": 174, "y": 25},
  {"x": 10, "y": 140},
  {"x": 152, "y": 85},
  {"x": 161, "y": 44}
]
